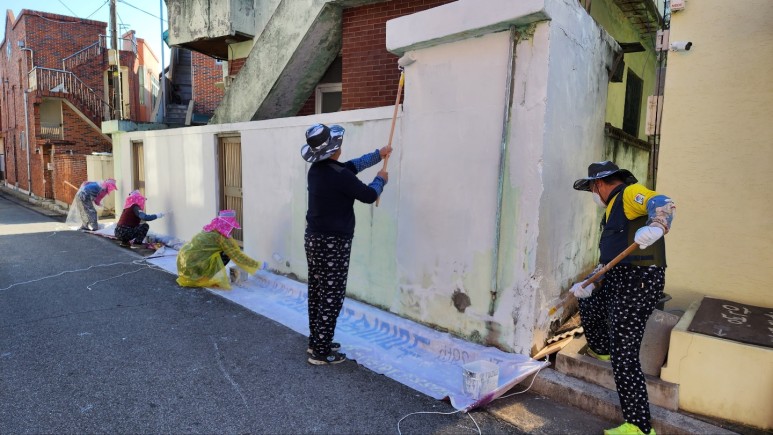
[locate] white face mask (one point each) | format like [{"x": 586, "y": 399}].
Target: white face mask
[{"x": 597, "y": 200}]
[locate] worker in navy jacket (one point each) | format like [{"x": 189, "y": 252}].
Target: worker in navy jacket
[
  {"x": 333, "y": 188},
  {"x": 614, "y": 316}
]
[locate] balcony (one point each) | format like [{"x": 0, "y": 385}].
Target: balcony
[
  {"x": 209, "y": 27},
  {"x": 51, "y": 131}
]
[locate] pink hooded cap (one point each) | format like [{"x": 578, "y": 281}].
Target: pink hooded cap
[
  {"x": 224, "y": 223},
  {"x": 135, "y": 198},
  {"x": 109, "y": 185}
]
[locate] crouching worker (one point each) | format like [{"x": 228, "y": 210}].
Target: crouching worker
[
  {"x": 90, "y": 193},
  {"x": 130, "y": 227},
  {"x": 201, "y": 262}
]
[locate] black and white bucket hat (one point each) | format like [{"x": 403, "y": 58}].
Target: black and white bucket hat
[
  {"x": 600, "y": 170},
  {"x": 322, "y": 142}
]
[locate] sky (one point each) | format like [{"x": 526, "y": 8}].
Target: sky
[{"x": 141, "y": 16}]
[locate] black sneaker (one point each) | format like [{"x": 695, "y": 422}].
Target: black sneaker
[
  {"x": 334, "y": 347},
  {"x": 125, "y": 244},
  {"x": 331, "y": 358}
]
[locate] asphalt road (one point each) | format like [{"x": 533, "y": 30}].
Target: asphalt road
[{"x": 92, "y": 339}]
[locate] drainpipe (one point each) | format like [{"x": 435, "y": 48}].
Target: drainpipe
[
  {"x": 507, "y": 116},
  {"x": 27, "y": 122}
]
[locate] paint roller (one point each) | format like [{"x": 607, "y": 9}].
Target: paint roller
[{"x": 401, "y": 64}]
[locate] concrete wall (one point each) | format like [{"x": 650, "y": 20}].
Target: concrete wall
[
  {"x": 427, "y": 252},
  {"x": 717, "y": 152},
  {"x": 567, "y": 242},
  {"x": 219, "y": 18}
]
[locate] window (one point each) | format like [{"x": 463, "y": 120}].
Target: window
[
  {"x": 154, "y": 90},
  {"x": 328, "y": 98},
  {"x": 141, "y": 77},
  {"x": 632, "y": 110},
  {"x": 138, "y": 166}
]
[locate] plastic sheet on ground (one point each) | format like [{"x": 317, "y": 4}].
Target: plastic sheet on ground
[{"x": 417, "y": 356}]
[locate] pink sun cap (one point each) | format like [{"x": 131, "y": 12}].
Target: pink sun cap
[
  {"x": 135, "y": 198},
  {"x": 224, "y": 223}
]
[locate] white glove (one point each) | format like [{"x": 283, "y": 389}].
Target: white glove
[
  {"x": 580, "y": 292},
  {"x": 646, "y": 236},
  {"x": 159, "y": 215}
]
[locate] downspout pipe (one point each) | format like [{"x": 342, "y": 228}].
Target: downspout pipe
[
  {"x": 504, "y": 145},
  {"x": 27, "y": 123}
]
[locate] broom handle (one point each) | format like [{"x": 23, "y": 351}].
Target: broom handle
[
  {"x": 610, "y": 265},
  {"x": 394, "y": 121}
]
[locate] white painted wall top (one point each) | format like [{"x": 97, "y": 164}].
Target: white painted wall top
[{"x": 460, "y": 20}]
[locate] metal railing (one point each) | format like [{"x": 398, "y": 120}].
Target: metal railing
[
  {"x": 65, "y": 84},
  {"x": 51, "y": 131},
  {"x": 83, "y": 55},
  {"x": 92, "y": 51}
]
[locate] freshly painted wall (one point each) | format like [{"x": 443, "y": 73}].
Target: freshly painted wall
[
  {"x": 427, "y": 252},
  {"x": 717, "y": 153}
]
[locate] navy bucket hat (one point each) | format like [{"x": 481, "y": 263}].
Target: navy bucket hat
[
  {"x": 322, "y": 142},
  {"x": 601, "y": 170}
]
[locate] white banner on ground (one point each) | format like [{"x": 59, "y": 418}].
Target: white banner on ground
[{"x": 412, "y": 354}]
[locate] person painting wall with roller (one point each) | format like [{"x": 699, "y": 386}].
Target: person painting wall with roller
[
  {"x": 615, "y": 314},
  {"x": 333, "y": 187}
]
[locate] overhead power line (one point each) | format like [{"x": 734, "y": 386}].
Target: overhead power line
[
  {"x": 68, "y": 8},
  {"x": 100, "y": 7},
  {"x": 141, "y": 10}
]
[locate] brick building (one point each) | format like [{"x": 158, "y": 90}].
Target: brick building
[
  {"x": 358, "y": 73},
  {"x": 54, "y": 73},
  {"x": 207, "y": 89}
]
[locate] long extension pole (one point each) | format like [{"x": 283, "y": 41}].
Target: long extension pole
[{"x": 394, "y": 121}]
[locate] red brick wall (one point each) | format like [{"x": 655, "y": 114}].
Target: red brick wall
[
  {"x": 86, "y": 139},
  {"x": 73, "y": 170},
  {"x": 309, "y": 107},
  {"x": 370, "y": 74},
  {"x": 206, "y": 73},
  {"x": 234, "y": 66}
]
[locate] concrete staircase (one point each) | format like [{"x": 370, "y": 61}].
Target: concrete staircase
[
  {"x": 587, "y": 383},
  {"x": 290, "y": 56},
  {"x": 181, "y": 88}
]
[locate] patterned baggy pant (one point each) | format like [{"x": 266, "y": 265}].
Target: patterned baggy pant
[
  {"x": 137, "y": 234},
  {"x": 328, "y": 262},
  {"x": 87, "y": 211},
  {"x": 614, "y": 318}
]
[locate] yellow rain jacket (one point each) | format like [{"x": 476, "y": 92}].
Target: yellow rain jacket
[{"x": 199, "y": 263}]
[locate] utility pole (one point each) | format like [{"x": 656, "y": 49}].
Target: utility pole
[
  {"x": 162, "y": 108},
  {"x": 116, "y": 71}
]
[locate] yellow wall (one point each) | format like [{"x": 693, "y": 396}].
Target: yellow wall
[
  {"x": 720, "y": 378},
  {"x": 716, "y": 158},
  {"x": 643, "y": 64}
]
